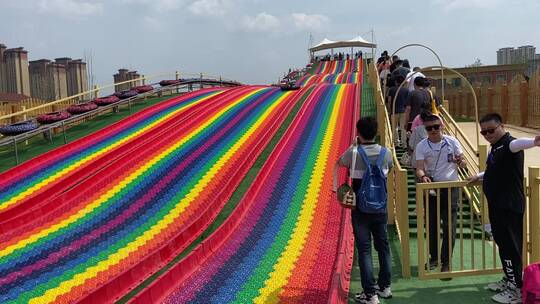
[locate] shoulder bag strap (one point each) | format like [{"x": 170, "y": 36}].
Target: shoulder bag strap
[
  {"x": 380, "y": 159},
  {"x": 353, "y": 163},
  {"x": 364, "y": 157}
]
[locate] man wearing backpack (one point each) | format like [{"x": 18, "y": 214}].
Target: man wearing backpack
[
  {"x": 437, "y": 160},
  {"x": 370, "y": 216}
]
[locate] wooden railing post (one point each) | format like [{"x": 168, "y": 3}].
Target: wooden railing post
[
  {"x": 446, "y": 105},
  {"x": 402, "y": 200},
  {"x": 462, "y": 105},
  {"x": 381, "y": 123},
  {"x": 391, "y": 206},
  {"x": 524, "y": 103},
  {"x": 504, "y": 101},
  {"x": 96, "y": 92},
  {"x": 490, "y": 95},
  {"x": 534, "y": 214}
]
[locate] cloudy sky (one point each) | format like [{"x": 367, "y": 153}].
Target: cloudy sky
[{"x": 255, "y": 41}]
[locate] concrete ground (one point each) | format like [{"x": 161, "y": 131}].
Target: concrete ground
[{"x": 532, "y": 156}]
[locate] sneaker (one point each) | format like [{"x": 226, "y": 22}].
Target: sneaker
[
  {"x": 445, "y": 268},
  {"x": 366, "y": 299},
  {"x": 385, "y": 293},
  {"x": 511, "y": 295},
  {"x": 432, "y": 265},
  {"x": 498, "y": 286}
]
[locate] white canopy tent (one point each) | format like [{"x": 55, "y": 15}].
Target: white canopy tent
[{"x": 327, "y": 44}]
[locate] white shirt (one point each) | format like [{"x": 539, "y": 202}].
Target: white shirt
[
  {"x": 372, "y": 152},
  {"x": 411, "y": 80},
  {"x": 438, "y": 158}
]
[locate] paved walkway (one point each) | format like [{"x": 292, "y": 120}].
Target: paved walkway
[{"x": 532, "y": 156}]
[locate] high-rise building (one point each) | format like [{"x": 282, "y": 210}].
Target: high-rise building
[
  {"x": 510, "y": 55},
  {"x": 17, "y": 79},
  {"x": 124, "y": 75},
  {"x": 3, "y": 78},
  {"x": 75, "y": 75},
  {"x": 504, "y": 55},
  {"x": 48, "y": 79}
]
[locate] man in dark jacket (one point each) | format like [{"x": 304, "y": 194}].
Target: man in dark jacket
[{"x": 502, "y": 183}]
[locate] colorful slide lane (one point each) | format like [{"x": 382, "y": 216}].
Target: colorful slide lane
[
  {"x": 25, "y": 190},
  {"x": 340, "y": 78},
  {"x": 338, "y": 66},
  {"x": 121, "y": 224},
  {"x": 283, "y": 241}
]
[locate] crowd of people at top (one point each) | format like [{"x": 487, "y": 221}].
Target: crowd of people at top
[
  {"x": 435, "y": 157},
  {"x": 336, "y": 57}
]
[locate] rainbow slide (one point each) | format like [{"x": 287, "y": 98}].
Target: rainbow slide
[
  {"x": 340, "y": 78},
  {"x": 288, "y": 240},
  {"x": 338, "y": 66},
  {"x": 88, "y": 221}
]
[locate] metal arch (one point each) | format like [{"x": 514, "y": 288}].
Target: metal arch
[
  {"x": 466, "y": 81},
  {"x": 434, "y": 53}
]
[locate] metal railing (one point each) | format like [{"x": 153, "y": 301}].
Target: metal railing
[
  {"x": 47, "y": 129},
  {"x": 472, "y": 252},
  {"x": 94, "y": 93},
  {"x": 532, "y": 233},
  {"x": 397, "y": 177}
]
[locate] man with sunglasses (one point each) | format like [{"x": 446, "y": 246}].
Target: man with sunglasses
[
  {"x": 502, "y": 183},
  {"x": 437, "y": 160}
]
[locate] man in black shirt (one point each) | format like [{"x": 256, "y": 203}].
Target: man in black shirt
[
  {"x": 502, "y": 183},
  {"x": 417, "y": 100},
  {"x": 399, "y": 107}
]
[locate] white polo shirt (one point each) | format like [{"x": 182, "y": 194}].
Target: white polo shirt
[{"x": 438, "y": 158}]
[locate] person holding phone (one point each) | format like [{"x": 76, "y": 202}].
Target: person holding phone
[{"x": 438, "y": 158}]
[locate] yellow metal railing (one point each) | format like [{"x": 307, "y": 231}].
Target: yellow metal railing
[
  {"x": 474, "y": 156},
  {"x": 397, "y": 177},
  {"x": 471, "y": 254},
  {"x": 533, "y": 233},
  {"x": 480, "y": 255}
]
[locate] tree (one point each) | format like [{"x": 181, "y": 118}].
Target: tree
[{"x": 476, "y": 63}]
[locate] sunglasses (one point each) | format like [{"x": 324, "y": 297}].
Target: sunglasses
[
  {"x": 490, "y": 131},
  {"x": 433, "y": 127}
]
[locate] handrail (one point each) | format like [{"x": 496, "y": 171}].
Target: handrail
[
  {"x": 397, "y": 177},
  {"x": 97, "y": 89},
  {"x": 458, "y": 129}
]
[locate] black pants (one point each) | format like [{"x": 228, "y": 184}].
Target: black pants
[
  {"x": 434, "y": 227},
  {"x": 507, "y": 229}
]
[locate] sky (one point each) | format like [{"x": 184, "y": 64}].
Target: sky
[{"x": 256, "y": 41}]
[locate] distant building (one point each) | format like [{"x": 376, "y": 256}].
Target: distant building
[
  {"x": 48, "y": 79},
  {"x": 505, "y": 55},
  {"x": 3, "y": 77},
  {"x": 523, "y": 54},
  {"x": 124, "y": 75},
  {"x": 510, "y": 55},
  {"x": 77, "y": 81},
  {"x": 14, "y": 77}
]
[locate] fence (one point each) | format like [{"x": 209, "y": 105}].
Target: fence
[
  {"x": 7, "y": 109},
  {"x": 518, "y": 101},
  {"x": 33, "y": 109},
  {"x": 475, "y": 253},
  {"x": 397, "y": 177}
]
